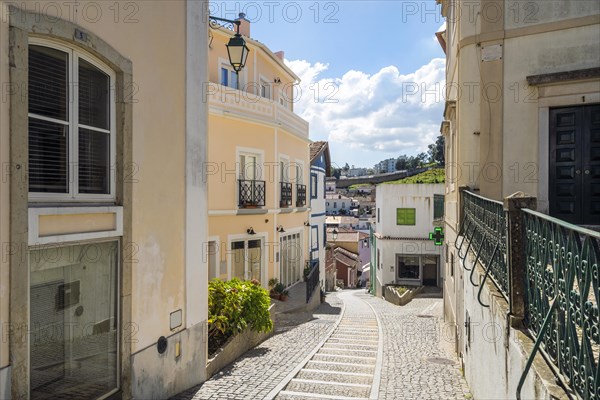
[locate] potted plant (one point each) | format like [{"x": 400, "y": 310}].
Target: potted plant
[
  {"x": 284, "y": 295},
  {"x": 272, "y": 283},
  {"x": 276, "y": 289},
  {"x": 306, "y": 272}
]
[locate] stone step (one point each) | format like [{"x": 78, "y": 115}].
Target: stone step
[
  {"x": 347, "y": 355},
  {"x": 344, "y": 359},
  {"x": 347, "y": 340},
  {"x": 358, "y": 331},
  {"x": 331, "y": 376},
  {"x": 288, "y": 395},
  {"x": 348, "y": 351},
  {"x": 341, "y": 367},
  {"x": 342, "y": 335},
  {"x": 327, "y": 388},
  {"x": 350, "y": 347}
]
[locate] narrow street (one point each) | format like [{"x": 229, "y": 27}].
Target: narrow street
[{"x": 355, "y": 346}]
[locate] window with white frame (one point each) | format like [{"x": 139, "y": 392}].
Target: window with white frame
[
  {"x": 71, "y": 125},
  {"x": 228, "y": 77},
  {"x": 284, "y": 169},
  {"x": 313, "y": 186},
  {"x": 290, "y": 265},
  {"x": 285, "y": 100},
  {"x": 246, "y": 262},
  {"x": 265, "y": 89},
  {"x": 299, "y": 173},
  {"x": 249, "y": 168}
]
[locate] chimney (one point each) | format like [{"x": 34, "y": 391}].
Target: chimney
[
  {"x": 280, "y": 54},
  {"x": 244, "y": 25}
]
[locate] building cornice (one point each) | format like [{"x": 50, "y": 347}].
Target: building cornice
[
  {"x": 529, "y": 30},
  {"x": 564, "y": 76}
]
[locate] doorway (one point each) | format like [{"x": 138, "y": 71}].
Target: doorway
[{"x": 574, "y": 164}]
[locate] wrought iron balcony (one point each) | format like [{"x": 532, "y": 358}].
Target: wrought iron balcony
[
  {"x": 286, "y": 195},
  {"x": 300, "y": 195},
  {"x": 311, "y": 278},
  {"x": 483, "y": 231},
  {"x": 548, "y": 275},
  {"x": 562, "y": 294},
  {"x": 251, "y": 193}
]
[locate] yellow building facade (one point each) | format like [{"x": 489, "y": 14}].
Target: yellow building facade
[
  {"x": 258, "y": 166},
  {"x": 103, "y": 131}
]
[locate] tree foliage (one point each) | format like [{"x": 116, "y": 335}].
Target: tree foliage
[
  {"x": 336, "y": 172},
  {"x": 436, "y": 151},
  {"x": 435, "y": 175}
]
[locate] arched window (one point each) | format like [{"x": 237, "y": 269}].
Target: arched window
[{"x": 71, "y": 125}]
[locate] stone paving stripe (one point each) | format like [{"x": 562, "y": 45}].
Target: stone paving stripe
[
  {"x": 377, "y": 375},
  {"x": 320, "y": 396},
  {"x": 350, "y": 339},
  {"x": 344, "y": 356},
  {"x": 329, "y": 382},
  {"x": 275, "y": 391},
  {"x": 323, "y": 371},
  {"x": 348, "y": 349},
  {"x": 350, "y": 335},
  {"x": 339, "y": 363}
]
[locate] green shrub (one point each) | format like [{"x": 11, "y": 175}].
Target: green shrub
[
  {"x": 235, "y": 305},
  {"x": 435, "y": 175}
]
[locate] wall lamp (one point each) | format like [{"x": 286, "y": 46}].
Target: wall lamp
[
  {"x": 306, "y": 223},
  {"x": 280, "y": 229},
  {"x": 236, "y": 48},
  {"x": 250, "y": 231},
  {"x": 334, "y": 234}
]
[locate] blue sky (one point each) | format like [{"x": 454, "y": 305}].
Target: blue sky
[{"x": 375, "y": 65}]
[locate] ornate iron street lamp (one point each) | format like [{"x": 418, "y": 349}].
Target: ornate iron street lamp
[{"x": 236, "y": 48}]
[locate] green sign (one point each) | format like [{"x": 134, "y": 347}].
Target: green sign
[{"x": 437, "y": 236}]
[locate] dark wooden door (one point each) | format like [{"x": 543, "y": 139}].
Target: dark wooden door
[{"x": 574, "y": 184}]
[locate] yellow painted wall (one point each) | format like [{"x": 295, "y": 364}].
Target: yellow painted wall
[
  {"x": 226, "y": 135},
  {"x": 158, "y": 151},
  {"x": 261, "y": 61},
  {"x": 246, "y": 124},
  {"x": 158, "y": 147},
  {"x": 76, "y": 223}
]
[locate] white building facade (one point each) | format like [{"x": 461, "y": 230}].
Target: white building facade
[
  {"x": 320, "y": 167},
  {"x": 404, "y": 255},
  {"x": 338, "y": 204}
]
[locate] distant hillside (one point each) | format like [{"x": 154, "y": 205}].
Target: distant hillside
[{"x": 436, "y": 175}]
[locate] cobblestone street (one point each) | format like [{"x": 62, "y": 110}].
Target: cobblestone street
[{"x": 387, "y": 352}]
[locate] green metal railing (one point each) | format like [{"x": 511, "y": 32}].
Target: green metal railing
[
  {"x": 483, "y": 231},
  {"x": 562, "y": 293}
]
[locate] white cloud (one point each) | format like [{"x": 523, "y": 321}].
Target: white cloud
[{"x": 386, "y": 113}]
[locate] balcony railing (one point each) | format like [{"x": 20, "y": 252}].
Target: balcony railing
[
  {"x": 553, "y": 280},
  {"x": 251, "y": 193},
  {"x": 240, "y": 102},
  {"x": 286, "y": 195},
  {"x": 300, "y": 195},
  {"x": 312, "y": 278},
  {"x": 483, "y": 231},
  {"x": 562, "y": 293}
]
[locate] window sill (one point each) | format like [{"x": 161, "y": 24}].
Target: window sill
[
  {"x": 59, "y": 224},
  {"x": 252, "y": 211}
]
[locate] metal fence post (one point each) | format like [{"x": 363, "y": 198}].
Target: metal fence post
[{"x": 516, "y": 261}]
